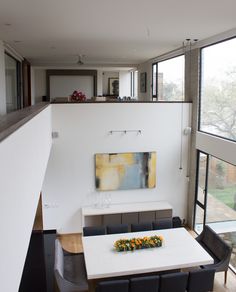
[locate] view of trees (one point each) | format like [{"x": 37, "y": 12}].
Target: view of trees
[
  {"x": 218, "y": 107},
  {"x": 172, "y": 91},
  {"x": 218, "y": 89},
  {"x": 171, "y": 79}
]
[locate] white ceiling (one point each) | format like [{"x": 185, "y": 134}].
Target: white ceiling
[{"x": 109, "y": 31}]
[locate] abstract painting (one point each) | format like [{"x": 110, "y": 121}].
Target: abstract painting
[{"x": 123, "y": 171}]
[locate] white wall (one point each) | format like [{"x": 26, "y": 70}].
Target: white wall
[
  {"x": 218, "y": 147},
  {"x": 39, "y": 83},
  {"x": 83, "y": 131},
  {"x": 23, "y": 160},
  {"x": 2, "y": 81},
  {"x": 105, "y": 80},
  {"x": 124, "y": 83}
]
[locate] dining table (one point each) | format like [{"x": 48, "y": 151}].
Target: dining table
[{"x": 179, "y": 250}]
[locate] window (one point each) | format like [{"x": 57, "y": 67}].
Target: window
[
  {"x": 168, "y": 79},
  {"x": 216, "y": 198},
  {"x": 218, "y": 90},
  {"x": 12, "y": 74},
  {"x": 154, "y": 80}
]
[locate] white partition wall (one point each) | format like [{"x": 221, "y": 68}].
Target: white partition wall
[
  {"x": 23, "y": 161},
  {"x": 83, "y": 130}
]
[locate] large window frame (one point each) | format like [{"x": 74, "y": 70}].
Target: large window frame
[
  {"x": 205, "y": 204},
  {"x": 154, "y": 81},
  {"x": 200, "y": 90},
  {"x": 18, "y": 82},
  {"x": 197, "y": 202},
  {"x": 155, "y": 86}
]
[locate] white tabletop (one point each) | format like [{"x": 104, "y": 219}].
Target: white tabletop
[
  {"x": 180, "y": 250},
  {"x": 127, "y": 208}
]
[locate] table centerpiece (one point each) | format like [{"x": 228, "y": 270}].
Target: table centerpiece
[{"x": 138, "y": 243}]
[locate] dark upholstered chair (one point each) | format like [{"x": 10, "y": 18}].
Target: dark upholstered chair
[
  {"x": 69, "y": 270},
  {"x": 145, "y": 226},
  {"x": 94, "y": 230},
  {"x": 117, "y": 228},
  {"x": 174, "y": 282},
  {"x": 146, "y": 283},
  {"x": 218, "y": 249},
  {"x": 113, "y": 286},
  {"x": 201, "y": 280},
  {"x": 163, "y": 223}
]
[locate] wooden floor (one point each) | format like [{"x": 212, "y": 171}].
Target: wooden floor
[{"x": 73, "y": 243}]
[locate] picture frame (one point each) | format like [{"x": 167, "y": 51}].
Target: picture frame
[
  {"x": 128, "y": 170},
  {"x": 143, "y": 81},
  {"x": 113, "y": 86}
]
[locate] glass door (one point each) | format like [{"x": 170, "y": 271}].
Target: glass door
[{"x": 201, "y": 191}]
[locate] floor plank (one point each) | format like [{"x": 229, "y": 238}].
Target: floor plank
[{"x": 71, "y": 242}]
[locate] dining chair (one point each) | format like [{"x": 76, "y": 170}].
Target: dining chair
[
  {"x": 176, "y": 282},
  {"x": 113, "y": 286},
  {"x": 162, "y": 223},
  {"x": 145, "y": 283},
  {"x": 219, "y": 250},
  {"x": 69, "y": 270},
  {"x": 145, "y": 226},
  {"x": 94, "y": 230},
  {"x": 201, "y": 280},
  {"x": 117, "y": 228}
]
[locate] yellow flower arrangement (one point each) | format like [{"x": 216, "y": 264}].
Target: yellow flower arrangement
[{"x": 138, "y": 243}]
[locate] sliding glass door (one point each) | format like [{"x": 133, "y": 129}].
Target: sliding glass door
[{"x": 215, "y": 203}]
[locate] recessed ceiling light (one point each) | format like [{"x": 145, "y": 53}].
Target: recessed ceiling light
[{"x": 7, "y": 24}]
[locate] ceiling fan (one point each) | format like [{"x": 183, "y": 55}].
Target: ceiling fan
[{"x": 80, "y": 62}]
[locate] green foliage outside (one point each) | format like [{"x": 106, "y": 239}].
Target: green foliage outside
[
  {"x": 226, "y": 195},
  {"x": 172, "y": 91}
]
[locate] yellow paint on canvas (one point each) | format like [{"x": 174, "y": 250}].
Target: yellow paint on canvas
[
  {"x": 111, "y": 169},
  {"x": 152, "y": 171}
]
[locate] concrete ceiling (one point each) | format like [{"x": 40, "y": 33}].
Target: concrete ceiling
[{"x": 109, "y": 31}]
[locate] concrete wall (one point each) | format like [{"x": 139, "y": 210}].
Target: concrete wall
[
  {"x": 40, "y": 84},
  {"x": 218, "y": 147},
  {"x": 145, "y": 67}
]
